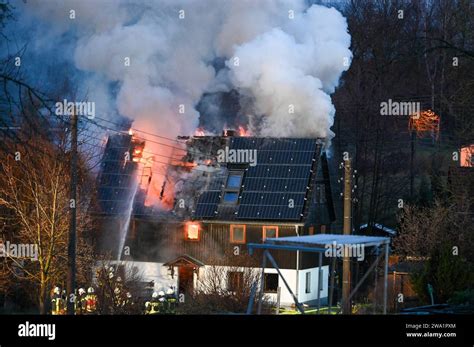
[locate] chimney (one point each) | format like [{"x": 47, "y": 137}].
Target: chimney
[{"x": 229, "y": 133}]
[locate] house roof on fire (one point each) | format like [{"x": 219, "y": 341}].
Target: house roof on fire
[{"x": 281, "y": 184}]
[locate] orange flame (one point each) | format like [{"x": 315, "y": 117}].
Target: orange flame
[
  {"x": 199, "y": 132},
  {"x": 244, "y": 132},
  {"x": 192, "y": 231}
]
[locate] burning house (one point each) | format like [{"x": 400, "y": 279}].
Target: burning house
[
  {"x": 118, "y": 193},
  {"x": 118, "y": 172},
  {"x": 240, "y": 190}
]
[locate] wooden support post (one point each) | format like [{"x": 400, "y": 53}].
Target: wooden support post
[
  {"x": 72, "y": 234},
  {"x": 385, "y": 279},
  {"x": 346, "y": 265}
]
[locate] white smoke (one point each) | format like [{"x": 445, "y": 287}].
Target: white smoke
[
  {"x": 289, "y": 56},
  {"x": 291, "y": 71}
]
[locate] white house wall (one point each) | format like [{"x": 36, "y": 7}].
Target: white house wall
[
  {"x": 158, "y": 273},
  {"x": 290, "y": 276}
]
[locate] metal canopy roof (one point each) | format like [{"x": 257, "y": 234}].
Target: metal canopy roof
[
  {"x": 317, "y": 243},
  {"x": 325, "y": 239}
]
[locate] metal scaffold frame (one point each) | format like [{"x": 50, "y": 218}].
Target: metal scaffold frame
[{"x": 318, "y": 244}]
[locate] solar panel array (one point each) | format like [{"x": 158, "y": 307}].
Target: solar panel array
[{"x": 276, "y": 187}]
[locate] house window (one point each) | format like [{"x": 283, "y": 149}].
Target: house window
[
  {"x": 323, "y": 229},
  {"x": 237, "y": 233},
  {"x": 311, "y": 230},
  {"x": 234, "y": 181},
  {"x": 232, "y": 187},
  {"x": 269, "y": 232},
  {"x": 192, "y": 232},
  {"x": 308, "y": 283},
  {"x": 231, "y": 197},
  {"x": 235, "y": 281},
  {"x": 271, "y": 283}
]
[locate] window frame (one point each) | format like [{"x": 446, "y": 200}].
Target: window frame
[
  {"x": 232, "y": 239},
  {"x": 307, "y": 285},
  {"x": 186, "y": 238},
  {"x": 230, "y": 202},
  {"x": 265, "y": 290},
  {"x": 266, "y": 227},
  {"x": 234, "y": 173}
]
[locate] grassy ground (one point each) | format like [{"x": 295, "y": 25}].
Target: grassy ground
[{"x": 310, "y": 310}]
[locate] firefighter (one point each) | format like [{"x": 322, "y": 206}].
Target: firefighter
[
  {"x": 170, "y": 301},
  {"x": 65, "y": 298},
  {"x": 111, "y": 272},
  {"x": 90, "y": 302},
  {"x": 127, "y": 303},
  {"x": 80, "y": 301},
  {"x": 153, "y": 306},
  {"x": 161, "y": 302},
  {"x": 118, "y": 297},
  {"x": 128, "y": 300},
  {"x": 57, "y": 302}
]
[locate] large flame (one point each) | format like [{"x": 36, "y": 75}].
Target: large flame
[
  {"x": 243, "y": 132},
  {"x": 199, "y": 132},
  {"x": 192, "y": 231}
]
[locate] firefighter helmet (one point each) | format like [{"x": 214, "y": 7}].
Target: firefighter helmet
[
  {"x": 81, "y": 291},
  {"x": 56, "y": 290},
  {"x": 90, "y": 290},
  {"x": 170, "y": 291},
  {"x": 154, "y": 295},
  {"x": 161, "y": 293}
]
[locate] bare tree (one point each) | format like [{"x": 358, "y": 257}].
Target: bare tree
[
  {"x": 119, "y": 289},
  {"x": 35, "y": 189},
  {"x": 225, "y": 289}
]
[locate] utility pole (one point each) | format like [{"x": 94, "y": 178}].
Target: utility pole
[
  {"x": 71, "y": 248},
  {"x": 346, "y": 265},
  {"x": 412, "y": 164}
]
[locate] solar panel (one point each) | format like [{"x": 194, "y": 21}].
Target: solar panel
[
  {"x": 205, "y": 210},
  {"x": 279, "y": 171},
  {"x": 209, "y": 198},
  {"x": 281, "y": 175},
  {"x": 207, "y": 204},
  {"x": 274, "y": 199},
  {"x": 274, "y": 189},
  {"x": 269, "y": 212}
]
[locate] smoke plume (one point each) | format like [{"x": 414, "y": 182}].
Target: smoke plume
[
  {"x": 290, "y": 58},
  {"x": 156, "y": 61}
]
